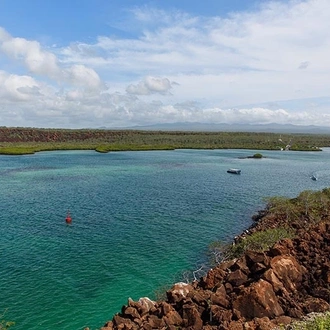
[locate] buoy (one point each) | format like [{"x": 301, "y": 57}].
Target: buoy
[{"x": 68, "y": 218}]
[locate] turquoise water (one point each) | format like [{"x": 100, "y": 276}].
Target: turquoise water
[{"x": 140, "y": 219}]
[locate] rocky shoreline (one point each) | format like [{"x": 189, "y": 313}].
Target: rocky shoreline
[{"x": 260, "y": 290}]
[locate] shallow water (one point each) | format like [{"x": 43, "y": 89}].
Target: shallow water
[{"x": 140, "y": 219}]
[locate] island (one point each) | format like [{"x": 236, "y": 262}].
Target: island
[{"x": 25, "y": 140}]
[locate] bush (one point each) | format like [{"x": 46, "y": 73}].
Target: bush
[
  {"x": 260, "y": 241},
  {"x": 5, "y": 324},
  {"x": 319, "y": 322}
]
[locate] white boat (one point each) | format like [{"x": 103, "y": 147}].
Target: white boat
[{"x": 234, "y": 171}]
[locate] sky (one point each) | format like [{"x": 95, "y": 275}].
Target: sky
[{"x": 127, "y": 63}]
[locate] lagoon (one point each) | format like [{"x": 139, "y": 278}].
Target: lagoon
[{"x": 140, "y": 220}]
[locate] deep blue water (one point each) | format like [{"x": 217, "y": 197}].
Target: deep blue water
[{"x": 140, "y": 219}]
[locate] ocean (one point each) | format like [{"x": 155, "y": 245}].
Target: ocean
[{"x": 141, "y": 221}]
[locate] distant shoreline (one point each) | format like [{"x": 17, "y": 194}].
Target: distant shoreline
[{"x": 22, "y": 141}]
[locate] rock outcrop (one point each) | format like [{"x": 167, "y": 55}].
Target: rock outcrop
[{"x": 259, "y": 290}]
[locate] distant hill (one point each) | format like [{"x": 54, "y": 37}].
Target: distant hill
[{"x": 204, "y": 127}]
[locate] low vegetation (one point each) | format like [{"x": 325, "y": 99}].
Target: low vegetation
[
  {"x": 310, "y": 207},
  {"x": 317, "y": 322},
  {"x": 20, "y": 140},
  {"x": 5, "y": 324},
  {"x": 291, "y": 214},
  {"x": 260, "y": 241}
]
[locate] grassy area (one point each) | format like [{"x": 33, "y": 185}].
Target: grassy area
[
  {"x": 260, "y": 241},
  {"x": 29, "y": 140},
  {"x": 290, "y": 214},
  {"x": 313, "y": 322}
]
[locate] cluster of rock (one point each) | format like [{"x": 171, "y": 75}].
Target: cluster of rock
[{"x": 260, "y": 290}]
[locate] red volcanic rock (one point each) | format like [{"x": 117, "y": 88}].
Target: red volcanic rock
[
  {"x": 258, "y": 291},
  {"x": 173, "y": 318},
  {"x": 191, "y": 317},
  {"x": 213, "y": 278},
  {"x": 178, "y": 292},
  {"x": 258, "y": 300},
  {"x": 287, "y": 270},
  {"x": 237, "y": 278},
  {"x": 282, "y": 248},
  {"x": 315, "y": 305},
  {"x": 272, "y": 278}
]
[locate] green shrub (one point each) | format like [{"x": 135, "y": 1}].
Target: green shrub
[
  {"x": 320, "y": 322},
  {"x": 260, "y": 241},
  {"x": 5, "y": 324}
]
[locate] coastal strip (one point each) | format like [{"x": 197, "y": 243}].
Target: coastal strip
[{"x": 257, "y": 286}]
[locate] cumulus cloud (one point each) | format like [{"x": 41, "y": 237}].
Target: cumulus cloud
[
  {"x": 44, "y": 63},
  {"x": 83, "y": 76},
  {"x": 226, "y": 69},
  {"x": 247, "y": 57},
  {"x": 17, "y": 88},
  {"x": 150, "y": 85}
]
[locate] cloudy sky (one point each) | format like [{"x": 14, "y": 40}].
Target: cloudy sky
[{"x": 121, "y": 63}]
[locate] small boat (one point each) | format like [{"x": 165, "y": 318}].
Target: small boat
[
  {"x": 68, "y": 218},
  {"x": 234, "y": 171},
  {"x": 313, "y": 177}
]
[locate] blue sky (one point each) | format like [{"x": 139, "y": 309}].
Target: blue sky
[{"x": 96, "y": 63}]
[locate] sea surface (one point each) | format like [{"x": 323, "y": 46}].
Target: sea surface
[{"x": 140, "y": 222}]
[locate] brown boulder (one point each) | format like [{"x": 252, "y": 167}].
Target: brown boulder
[
  {"x": 178, "y": 292},
  {"x": 213, "y": 278},
  {"x": 219, "y": 299},
  {"x": 263, "y": 323},
  {"x": 236, "y": 325},
  {"x": 287, "y": 270},
  {"x": 123, "y": 323},
  {"x": 271, "y": 277},
  {"x": 155, "y": 322},
  {"x": 132, "y": 313},
  {"x": 253, "y": 257},
  {"x": 200, "y": 297},
  {"x": 191, "y": 317},
  {"x": 258, "y": 300},
  {"x": 165, "y": 308},
  {"x": 240, "y": 264},
  {"x": 143, "y": 306},
  {"x": 220, "y": 315},
  {"x": 108, "y": 326},
  {"x": 237, "y": 278},
  {"x": 173, "y": 318},
  {"x": 283, "y": 247},
  {"x": 315, "y": 305}
]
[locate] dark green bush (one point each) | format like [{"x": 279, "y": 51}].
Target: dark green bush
[{"x": 260, "y": 241}]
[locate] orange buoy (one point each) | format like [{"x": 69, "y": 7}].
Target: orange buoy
[{"x": 68, "y": 218}]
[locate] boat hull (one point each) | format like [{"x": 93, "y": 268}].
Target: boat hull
[{"x": 234, "y": 171}]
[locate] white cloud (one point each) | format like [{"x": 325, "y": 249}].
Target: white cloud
[
  {"x": 150, "y": 85},
  {"x": 83, "y": 76},
  {"x": 44, "y": 63},
  {"x": 221, "y": 65},
  {"x": 17, "y": 88}
]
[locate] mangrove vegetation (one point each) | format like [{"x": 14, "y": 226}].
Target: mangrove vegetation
[{"x": 19, "y": 140}]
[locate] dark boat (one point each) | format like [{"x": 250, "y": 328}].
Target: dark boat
[{"x": 234, "y": 171}]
